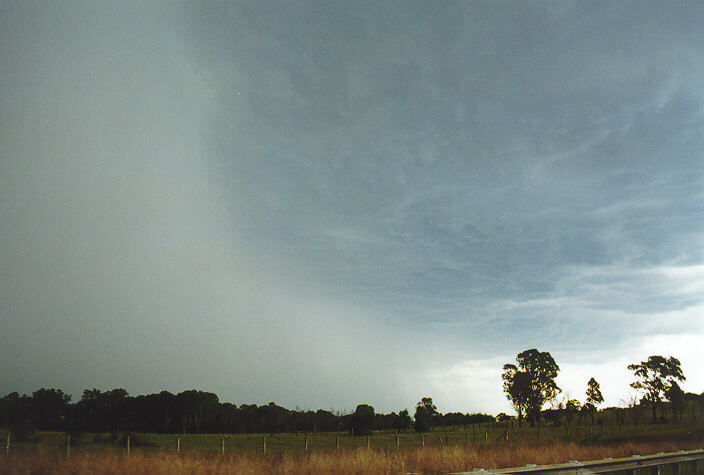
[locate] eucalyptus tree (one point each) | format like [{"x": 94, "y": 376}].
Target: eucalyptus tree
[
  {"x": 530, "y": 383},
  {"x": 425, "y": 415},
  {"x": 594, "y": 397},
  {"x": 655, "y": 377}
]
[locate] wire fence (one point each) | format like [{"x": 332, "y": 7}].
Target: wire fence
[{"x": 465, "y": 436}]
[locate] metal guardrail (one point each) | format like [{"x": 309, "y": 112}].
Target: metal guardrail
[{"x": 691, "y": 461}]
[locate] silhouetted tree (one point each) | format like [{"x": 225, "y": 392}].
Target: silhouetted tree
[
  {"x": 655, "y": 376},
  {"x": 404, "y": 420},
  {"x": 594, "y": 398},
  {"x": 425, "y": 415},
  {"x": 517, "y": 388},
  {"x": 153, "y": 412},
  {"x": 675, "y": 396},
  {"x": 531, "y": 383},
  {"x": 594, "y": 395},
  {"x": 107, "y": 411},
  {"x": 326, "y": 421},
  {"x": 50, "y": 409},
  {"x": 362, "y": 420},
  {"x": 16, "y": 414},
  {"x": 196, "y": 409},
  {"x": 572, "y": 407}
]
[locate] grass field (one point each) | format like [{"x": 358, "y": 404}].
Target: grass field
[
  {"x": 467, "y": 436},
  {"x": 495, "y": 454},
  {"x": 453, "y": 450}
]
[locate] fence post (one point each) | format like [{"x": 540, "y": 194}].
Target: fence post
[
  {"x": 398, "y": 444},
  {"x": 367, "y": 442},
  {"x": 68, "y": 445},
  {"x": 128, "y": 445},
  {"x": 178, "y": 444},
  {"x": 222, "y": 445},
  {"x": 305, "y": 443},
  {"x": 264, "y": 445},
  {"x": 7, "y": 447},
  {"x": 422, "y": 440},
  {"x": 486, "y": 435}
]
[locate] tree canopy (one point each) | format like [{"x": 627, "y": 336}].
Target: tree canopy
[
  {"x": 425, "y": 415},
  {"x": 363, "y": 420},
  {"x": 594, "y": 396},
  {"x": 655, "y": 377},
  {"x": 530, "y": 383}
]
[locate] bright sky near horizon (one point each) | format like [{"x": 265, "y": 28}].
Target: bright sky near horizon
[{"x": 330, "y": 203}]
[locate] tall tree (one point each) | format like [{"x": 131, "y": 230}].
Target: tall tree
[
  {"x": 517, "y": 389},
  {"x": 594, "y": 397},
  {"x": 425, "y": 415},
  {"x": 655, "y": 376},
  {"x": 531, "y": 383}
]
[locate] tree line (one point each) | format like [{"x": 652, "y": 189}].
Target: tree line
[
  {"x": 530, "y": 384},
  {"x": 196, "y": 411}
]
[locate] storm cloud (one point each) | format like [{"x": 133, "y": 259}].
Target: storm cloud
[{"x": 329, "y": 204}]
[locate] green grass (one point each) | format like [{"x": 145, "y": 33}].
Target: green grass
[
  {"x": 612, "y": 428},
  {"x": 477, "y": 435}
]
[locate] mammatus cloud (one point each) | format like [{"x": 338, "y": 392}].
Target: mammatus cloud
[{"x": 327, "y": 205}]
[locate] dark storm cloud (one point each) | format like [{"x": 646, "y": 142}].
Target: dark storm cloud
[
  {"x": 273, "y": 183},
  {"x": 471, "y": 151}
]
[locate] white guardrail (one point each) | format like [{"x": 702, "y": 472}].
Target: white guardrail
[{"x": 691, "y": 461}]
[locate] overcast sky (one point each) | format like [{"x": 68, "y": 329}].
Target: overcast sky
[{"x": 330, "y": 203}]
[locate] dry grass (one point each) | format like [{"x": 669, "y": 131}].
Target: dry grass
[{"x": 495, "y": 455}]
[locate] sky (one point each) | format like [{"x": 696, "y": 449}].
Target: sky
[{"x": 323, "y": 204}]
